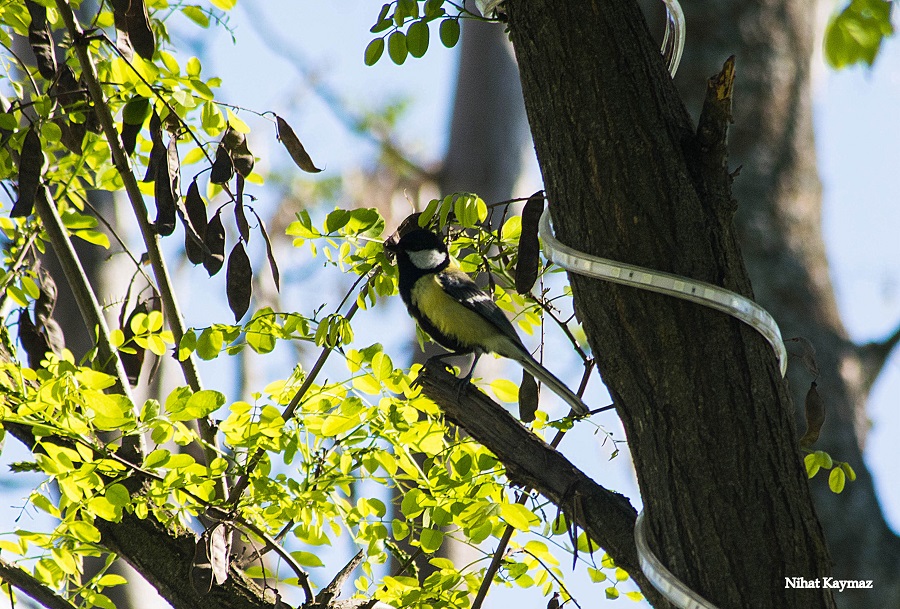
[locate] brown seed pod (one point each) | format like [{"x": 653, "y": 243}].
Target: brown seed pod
[
  {"x": 41, "y": 40},
  {"x": 815, "y": 416},
  {"x": 31, "y": 166},
  {"x": 529, "y": 248},
  {"x": 214, "y": 254},
  {"x": 292, "y": 143},
  {"x": 238, "y": 279},
  {"x": 223, "y": 167},
  {"x": 195, "y": 223},
  {"x": 240, "y": 217},
  {"x": 528, "y": 398}
]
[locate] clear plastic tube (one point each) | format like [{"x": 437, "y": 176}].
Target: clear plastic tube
[{"x": 699, "y": 292}]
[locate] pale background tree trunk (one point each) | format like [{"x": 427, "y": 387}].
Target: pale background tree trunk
[{"x": 779, "y": 221}]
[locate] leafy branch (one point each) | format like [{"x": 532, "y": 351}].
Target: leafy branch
[{"x": 149, "y": 236}]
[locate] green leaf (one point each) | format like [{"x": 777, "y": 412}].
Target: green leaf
[
  {"x": 505, "y": 390},
  {"x": 209, "y": 344},
  {"x": 412, "y": 504},
  {"x": 307, "y": 559},
  {"x": 83, "y": 531},
  {"x": 836, "y": 480},
  {"x": 851, "y": 475},
  {"x": 612, "y": 593},
  {"x": 199, "y": 405},
  {"x": 118, "y": 495},
  {"x": 225, "y": 5},
  {"x": 812, "y": 465},
  {"x": 103, "y": 507},
  {"x": 112, "y": 579},
  {"x": 374, "y": 51},
  {"x": 449, "y": 32},
  {"x": 417, "y": 38},
  {"x": 93, "y": 236},
  {"x": 431, "y": 540},
  {"x": 855, "y": 34},
  {"x": 517, "y": 515},
  {"x": 196, "y": 14},
  {"x": 337, "y": 424},
  {"x": 397, "y": 47}
]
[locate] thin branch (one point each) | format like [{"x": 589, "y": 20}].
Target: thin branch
[
  {"x": 112, "y": 231},
  {"x": 26, "y": 582},
  {"x": 496, "y": 559}
]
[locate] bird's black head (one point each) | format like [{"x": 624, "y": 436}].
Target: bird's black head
[
  {"x": 420, "y": 240},
  {"x": 421, "y": 249}
]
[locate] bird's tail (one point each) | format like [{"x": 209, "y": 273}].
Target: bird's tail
[{"x": 521, "y": 355}]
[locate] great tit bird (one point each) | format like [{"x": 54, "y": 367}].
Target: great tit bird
[{"x": 457, "y": 314}]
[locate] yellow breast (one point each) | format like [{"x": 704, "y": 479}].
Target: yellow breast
[{"x": 451, "y": 318}]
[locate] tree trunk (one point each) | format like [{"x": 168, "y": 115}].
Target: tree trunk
[
  {"x": 779, "y": 222},
  {"x": 709, "y": 420}
]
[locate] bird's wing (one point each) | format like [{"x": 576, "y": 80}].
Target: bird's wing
[{"x": 459, "y": 286}]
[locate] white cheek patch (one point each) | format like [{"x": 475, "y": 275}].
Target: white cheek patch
[{"x": 427, "y": 259}]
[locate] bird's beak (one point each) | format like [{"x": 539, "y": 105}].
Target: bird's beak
[{"x": 390, "y": 244}]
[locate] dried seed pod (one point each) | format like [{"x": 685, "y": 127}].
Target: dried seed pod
[
  {"x": 528, "y": 398},
  {"x": 223, "y": 167},
  {"x": 214, "y": 254},
  {"x": 166, "y": 189},
  {"x": 194, "y": 224},
  {"x": 158, "y": 152},
  {"x": 238, "y": 279},
  {"x": 529, "y": 248},
  {"x": 236, "y": 143},
  {"x": 815, "y": 416},
  {"x": 31, "y": 167},
  {"x": 807, "y": 354},
  {"x": 33, "y": 340},
  {"x": 41, "y": 40},
  {"x": 240, "y": 218},
  {"x": 292, "y": 143},
  {"x": 219, "y": 552},
  {"x": 132, "y": 23},
  {"x": 44, "y": 305}
]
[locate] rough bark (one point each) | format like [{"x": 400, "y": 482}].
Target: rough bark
[
  {"x": 779, "y": 223},
  {"x": 709, "y": 420}
]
